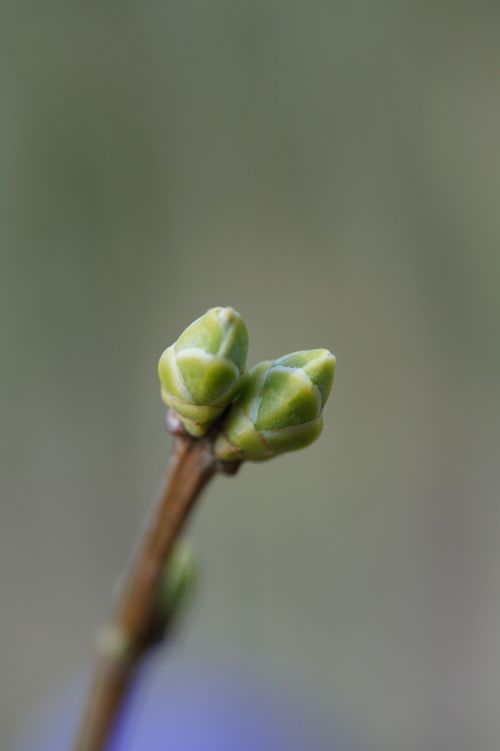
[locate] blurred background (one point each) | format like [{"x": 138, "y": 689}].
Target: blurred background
[{"x": 333, "y": 171}]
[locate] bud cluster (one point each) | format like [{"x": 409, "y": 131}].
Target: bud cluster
[{"x": 276, "y": 407}]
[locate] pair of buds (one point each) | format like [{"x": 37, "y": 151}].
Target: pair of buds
[{"x": 273, "y": 408}]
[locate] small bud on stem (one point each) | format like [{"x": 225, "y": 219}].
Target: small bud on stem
[{"x": 177, "y": 582}]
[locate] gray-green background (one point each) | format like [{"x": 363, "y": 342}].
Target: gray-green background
[{"x": 331, "y": 169}]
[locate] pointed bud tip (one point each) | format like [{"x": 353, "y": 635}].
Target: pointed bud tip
[
  {"x": 304, "y": 357},
  {"x": 226, "y": 315},
  {"x": 317, "y": 364}
]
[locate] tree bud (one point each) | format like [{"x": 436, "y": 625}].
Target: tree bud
[
  {"x": 279, "y": 408},
  {"x": 202, "y": 372}
]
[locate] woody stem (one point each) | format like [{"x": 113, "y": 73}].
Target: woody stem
[{"x": 129, "y": 634}]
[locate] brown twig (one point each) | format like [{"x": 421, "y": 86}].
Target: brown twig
[{"x": 133, "y": 627}]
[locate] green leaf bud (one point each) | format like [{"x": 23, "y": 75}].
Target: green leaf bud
[
  {"x": 279, "y": 408},
  {"x": 177, "y": 582},
  {"x": 203, "y": 371}
]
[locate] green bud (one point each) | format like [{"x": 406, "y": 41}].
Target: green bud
[
  {"x": 177, "y": 582},
  {"x": 202, "y": 372},
  {"x": 279, "y": 408}
]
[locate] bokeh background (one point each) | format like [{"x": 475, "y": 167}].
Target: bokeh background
[{"x": 331, "y": 169}]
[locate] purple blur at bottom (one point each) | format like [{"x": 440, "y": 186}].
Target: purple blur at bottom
[{"x": 193, "y": 708}]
